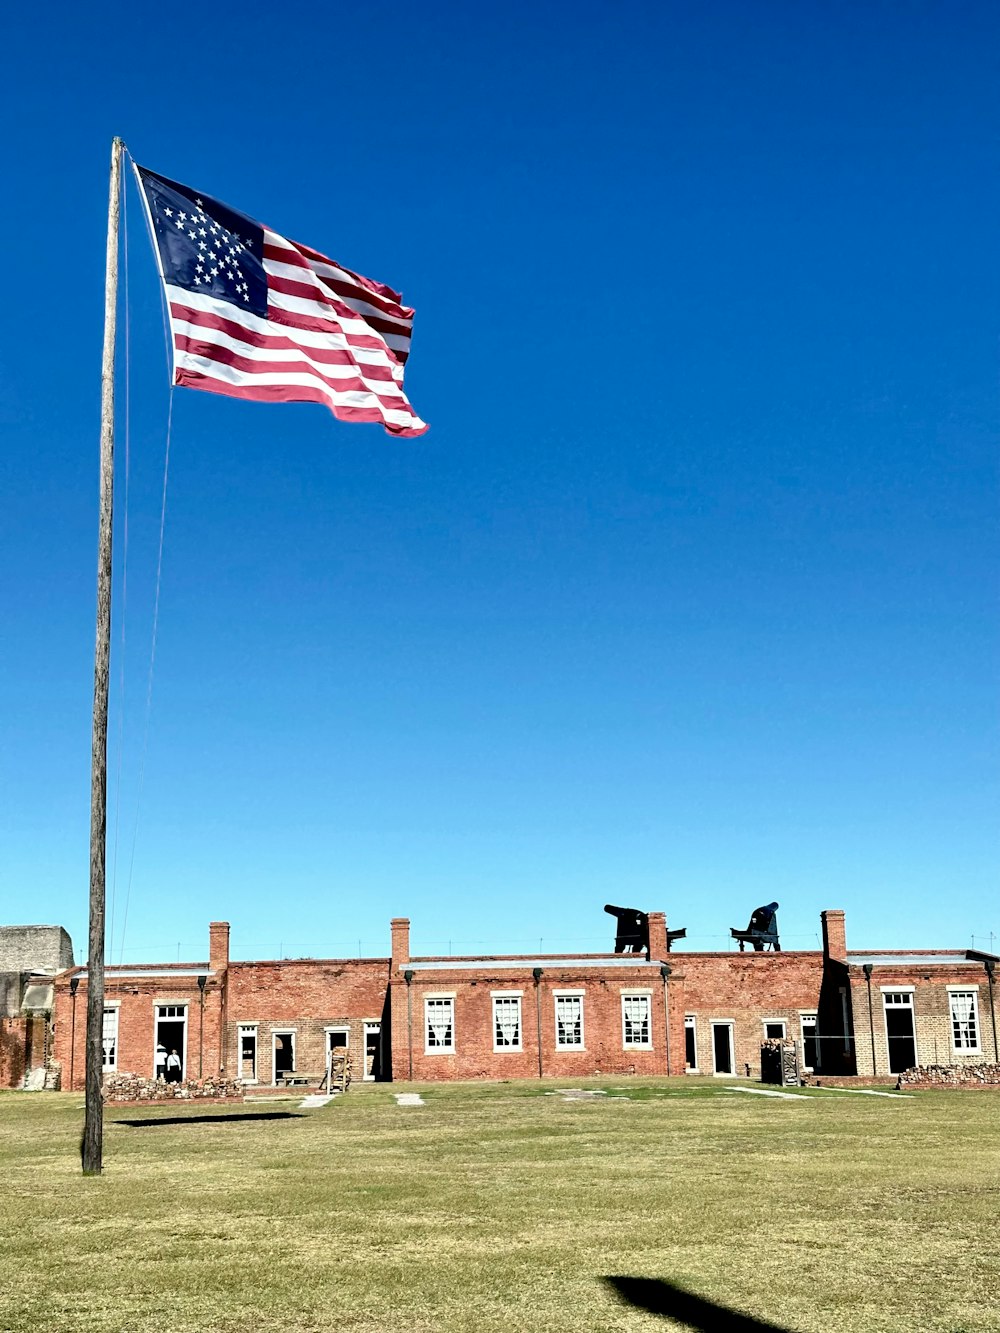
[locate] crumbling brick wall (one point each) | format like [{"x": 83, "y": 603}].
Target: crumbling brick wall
[{"x": 13, "y": 1040}]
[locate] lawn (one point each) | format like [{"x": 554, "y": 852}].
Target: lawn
[{"x": 498, "y": 1207}]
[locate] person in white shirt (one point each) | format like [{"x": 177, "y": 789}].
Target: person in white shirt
[
  {"x": 160, "y": 1063},
  {"x": 173, "y": 1067}
]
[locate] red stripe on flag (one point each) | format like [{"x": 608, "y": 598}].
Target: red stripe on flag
[{"x": 287, "y": 393}]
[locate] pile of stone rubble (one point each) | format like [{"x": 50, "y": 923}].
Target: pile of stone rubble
[
  {"x": 132, "y": 1088},
  {"x": 951, "y": 1076}
]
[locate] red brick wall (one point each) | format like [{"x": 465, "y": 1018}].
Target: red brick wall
[
  {"x": 931, "y": 1012},
  {"x": 136, "y": 999},
  {"x": 745, "y": 989},
  {"x": 603, "y": 1050},
  {"x": 13, "y": 1035},
  {"x": 306, "y": 996}
]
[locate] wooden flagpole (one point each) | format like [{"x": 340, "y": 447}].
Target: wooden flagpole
[{"x": 94, "y": 1115}]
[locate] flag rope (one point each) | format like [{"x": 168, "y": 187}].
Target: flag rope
[
  {"x": 156, "y": 616},
  {"x": 124, "y": 598}
]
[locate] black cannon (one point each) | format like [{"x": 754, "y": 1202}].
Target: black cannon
[
  {"x": 632, "y": 935},
  {"x": 762, "y": 930}
]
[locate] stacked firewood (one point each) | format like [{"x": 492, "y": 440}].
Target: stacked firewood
[
  {"x": 125, "y": 1087},
  {"x": 951, "y": 1076}
]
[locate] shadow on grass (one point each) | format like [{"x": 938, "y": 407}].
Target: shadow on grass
[
  {"x": 659, "y": 1297},
  {"x": 211, "y": 1119}
]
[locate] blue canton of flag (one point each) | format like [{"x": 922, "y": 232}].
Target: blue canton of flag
[{"x": 204, "y": 246}]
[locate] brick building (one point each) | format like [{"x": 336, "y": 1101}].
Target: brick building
[
  {"x": 548, "y": 1015},
  {"x": 30, "y": 957}
]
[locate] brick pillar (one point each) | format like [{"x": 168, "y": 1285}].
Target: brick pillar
[
  {"x": 657, "y": 935},
  {"x": 400, "y": 926},
  {"x": 218, "y": 945},
  {"x": 834, "y": 935}
]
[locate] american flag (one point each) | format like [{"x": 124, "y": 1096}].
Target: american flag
[{"x": 254, "y": 315}]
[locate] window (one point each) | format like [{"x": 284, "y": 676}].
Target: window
[
  {"x": 569, "y": 1022},
  {"x": 774, "y": 1029},
  {"x": 964, "y": 1006},
  {"x": 109, "y": 1041},
  {"x": 691, "y": 1043},
  {"x": 507, "y": 1023},
  {"x": 248, "y": 1052},
  {"x": 635, "y": 1022},
  {"x": 439, "y": 1012}
]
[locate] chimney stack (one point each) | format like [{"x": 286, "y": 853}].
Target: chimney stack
[
  {"x": 657, "y": 935},
  {"x": 218, "y": 945},
  {"x": 834, "y": 935},
  {"x": 400, "y": 926}
]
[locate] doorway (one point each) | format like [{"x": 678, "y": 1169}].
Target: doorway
[
  {"x": 284, "y": 1055},
  {"x": 723, "y": 1056},
  {"x": 373, "y": 1034},
  {"x": 900, "y": 1031},
  {"x": 171, "y": 1033},
  {"x": 810, "y": 1041},
  {"x": 248, "y": 1052}
]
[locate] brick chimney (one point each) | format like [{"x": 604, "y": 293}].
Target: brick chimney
[
  {"x": 218, "y": 945},
  {"x": 834, "y": 935},
  {"x": 657, "y": 935},
  {"x": 400, "y": 926}
]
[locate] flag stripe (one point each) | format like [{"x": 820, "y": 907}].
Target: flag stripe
[
  {"x": 225, "y": 365},
  {"x": 214, "y": 328},
  {"x": 253, "y": 361},
  {"x": 348, "y": 284},
  {"x": 201, "y": 373}
]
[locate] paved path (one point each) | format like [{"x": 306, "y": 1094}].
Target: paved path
[{"x": 766, "y": 1092}]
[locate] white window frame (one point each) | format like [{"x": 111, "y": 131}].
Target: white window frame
[
  {"x": 439, "y": 998},
  {"x": 507, "y": 998},
  {"x": 282, "y": 1032},
  {"x": 691, "y": 1024},
  {"x": 249, "y": 1029},
  {"x": 954, "y": 991},
  {"x": 775, "y": 1022},
  {"x": 575, "y": 994},
  {"x": 337, "y": 1027},
  {"x": 634, "y": 994},
  {"x": 111, "y": 1007}
]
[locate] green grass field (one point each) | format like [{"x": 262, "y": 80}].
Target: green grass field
[{"x": 497, "y": 1207}]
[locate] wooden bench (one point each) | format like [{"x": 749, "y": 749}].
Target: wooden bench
[{"x": 295, "y": 1079}]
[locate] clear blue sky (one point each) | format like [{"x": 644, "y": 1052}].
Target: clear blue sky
[{"x": 688, "y": 600}]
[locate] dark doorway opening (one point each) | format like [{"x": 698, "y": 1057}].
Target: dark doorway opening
[
  {"x": 284, "y": 1054},
  {"x": 902, "y": 1038},
  {"x": 722, "y": 1047},
  {"x": 690, "y": 1045},
  {"x": 170, "y": 1035}
]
